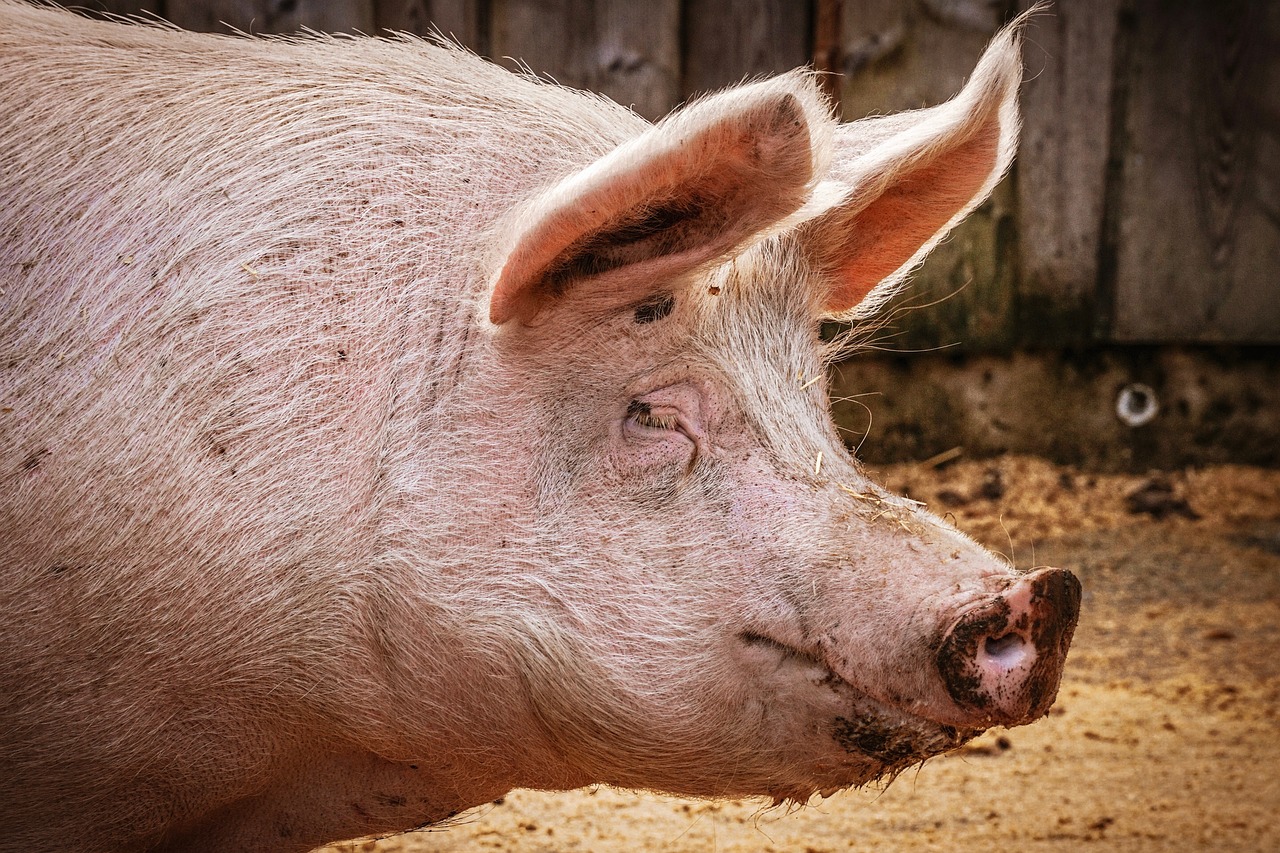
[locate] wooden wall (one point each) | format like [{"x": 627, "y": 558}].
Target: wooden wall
[{"x": 1145, "y": 206}]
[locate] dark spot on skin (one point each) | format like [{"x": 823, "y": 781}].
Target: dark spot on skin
[
  {"x": 832, "y": 680},
  {"x": 34, "y": 459},
  {"x": 360, "y": 811},
  {"x": 413, "y": 767},
  {"x": 59, "y": 568},
  {"x": 286, "y": 831},
  {"x": 713, "y": 290},
  {"x": 342, "y": 355},
  {"x": 656, "y": 221},
  {"x": 390, "y": 800},
  {"x": 654, "y": 309}
]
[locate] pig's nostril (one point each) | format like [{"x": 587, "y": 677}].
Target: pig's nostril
[
  {"x": 1002, "y": 659},
  {"x": 1006, "y": 650}
]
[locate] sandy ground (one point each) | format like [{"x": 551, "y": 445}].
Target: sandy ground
[{"x": 1165, "y": 737}]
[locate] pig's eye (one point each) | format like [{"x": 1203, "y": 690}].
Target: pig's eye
[
  {"x": 653, "y": 310},
  {"x": 643, "y": 414}
]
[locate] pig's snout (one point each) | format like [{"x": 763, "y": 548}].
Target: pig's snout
[{"x": 1002, "y": 660}]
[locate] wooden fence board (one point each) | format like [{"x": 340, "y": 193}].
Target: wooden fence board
[
  {"x": 727, "y": 40},
  {"x": 638, "y": 59},
  {"x": 271, "y": 16},
  {"x": 628, "y": 51},
  {"x": 1062, "y": 164},
  {"x": 1198, "y": 243},
  {"x": 143, "y": 8},
  {"x": 902, "y": 56},
  {"x": 459, "y": 20}
]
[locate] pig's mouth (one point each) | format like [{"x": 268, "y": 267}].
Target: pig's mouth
[
  {"x": 878, "y": 739},
  {"x": 998, "y": 662}
]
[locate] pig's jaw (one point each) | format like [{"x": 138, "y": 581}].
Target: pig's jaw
[{"x": 870, "y": 740}]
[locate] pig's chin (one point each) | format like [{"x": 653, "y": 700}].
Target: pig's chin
[{"x": 870, "y": 740}]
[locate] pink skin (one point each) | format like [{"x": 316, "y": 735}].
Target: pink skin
[
  {"x": 410, "y": 441},
  {"x": 826, "y": 591}
]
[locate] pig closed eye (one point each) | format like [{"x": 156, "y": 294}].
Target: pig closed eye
[
  {"x": 664, "y": 425},
  {"x": 644, "y": 415}
]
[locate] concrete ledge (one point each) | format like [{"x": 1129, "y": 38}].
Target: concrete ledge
[{"x": 1179, "y": 406}]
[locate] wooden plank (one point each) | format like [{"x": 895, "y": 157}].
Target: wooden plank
[
  {"x": 828, "y": 51},
  {"x": 1062, "y": 165},
  {"x": 909, "y": 55},
  {"x": 271, "y": 16},
  {"x": 540, "y": 35},
  {"x": 628, "y": 51},
  {"x": 637, "y": 54},
  {"x": 1198, "y": 240},
  {"x": 142, "y": 8},
  {"x": 462, "y": 21},
  {"x": 902, "y": 56},
  {"x": 728, "y": 40}
]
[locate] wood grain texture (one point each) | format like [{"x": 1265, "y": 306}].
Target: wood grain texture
[
  {"x": 463, "y": 21},
  {"x": 902, "y": 56},
  {"x": 626, "y": 50},
  {"x": 1062, "y": 162},
  {"x": 828, "y": 46},
  {"x": 271, "y": 16},
  {"x": 142, "y": 8},
  {"x": 729, "y": 40},
  {"x": 1198, "y": 242}
]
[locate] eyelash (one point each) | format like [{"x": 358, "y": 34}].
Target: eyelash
[{"x": 644, "y": 416}]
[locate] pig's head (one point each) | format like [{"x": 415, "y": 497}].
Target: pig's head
[{"x": 697, "y": 587}]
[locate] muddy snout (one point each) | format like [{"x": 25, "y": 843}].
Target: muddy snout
[{"x": 1002, "y": 660}]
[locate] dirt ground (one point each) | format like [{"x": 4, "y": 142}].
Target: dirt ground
[{"x": 1165, "y": 736}]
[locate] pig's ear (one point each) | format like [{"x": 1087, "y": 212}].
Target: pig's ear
[
  {"x": 685, "y": 193},
  {"x": 909, "y": 179}
]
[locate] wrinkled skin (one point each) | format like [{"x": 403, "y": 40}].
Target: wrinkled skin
[
  {"x": 793, "y": 596},
  {"x": 423, "y": 432}
]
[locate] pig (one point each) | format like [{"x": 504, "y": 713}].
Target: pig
[{"x": 381, "y": 431}]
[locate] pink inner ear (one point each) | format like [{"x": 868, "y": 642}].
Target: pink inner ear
[{"x": 887, "y": 232}]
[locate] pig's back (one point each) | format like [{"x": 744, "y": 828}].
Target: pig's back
[
  {"x": 226, "y": 266},
  {"x": 224, "y": 260}
]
